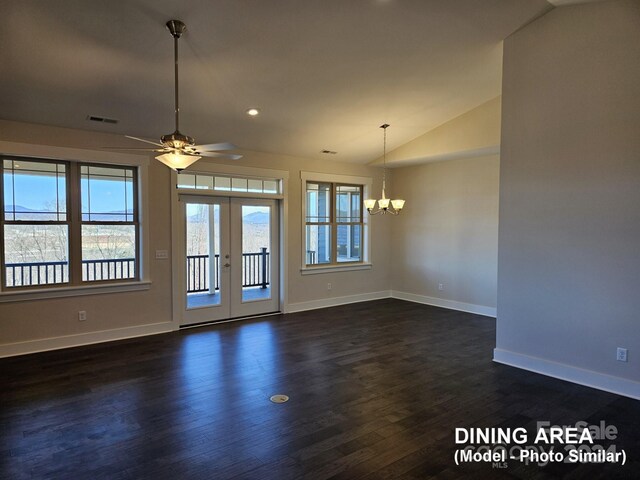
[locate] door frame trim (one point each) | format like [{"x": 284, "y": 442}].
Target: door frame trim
[{"x": 177, "y": 243}]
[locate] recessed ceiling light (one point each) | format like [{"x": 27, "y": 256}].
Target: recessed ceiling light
[{"x": 253, "y": 112}]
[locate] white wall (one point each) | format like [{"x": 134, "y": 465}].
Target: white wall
[
  {"x": 569, "y": 250},
  {"x": 448, "y": 234},
  {"x": 475, "y": 133}
]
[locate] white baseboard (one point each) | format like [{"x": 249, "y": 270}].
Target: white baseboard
[
  {"x": 441, "y": 302},
  {"x": 45, "y": 344},
  {"x": 55, "y": 343},
  {"x": 335, "y": 301},
  {"x": 588, "y": 378}
]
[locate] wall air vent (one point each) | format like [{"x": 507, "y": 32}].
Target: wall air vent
[
  {"x": 328, "y": 152},
  {"x": 95, "y": 118}
]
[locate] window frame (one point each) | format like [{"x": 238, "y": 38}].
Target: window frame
[
  {"x": 135, "y": 221},
  {"x": 4, "y": 222},
  {"x": 74, "y": 222},
  {"x": 365, "y": 184},
  {"x": 337, "y": 223}
]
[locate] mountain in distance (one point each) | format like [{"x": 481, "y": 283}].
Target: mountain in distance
[
  {"x": 37, "y": 214},
  {"x": 17, "y": 208},
  {"x": 256, "y": 218}
]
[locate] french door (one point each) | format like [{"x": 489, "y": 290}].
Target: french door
[{"x": 231, "y": 258}]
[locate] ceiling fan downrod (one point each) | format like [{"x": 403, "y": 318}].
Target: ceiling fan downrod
[{"x": 176, "y": 139}]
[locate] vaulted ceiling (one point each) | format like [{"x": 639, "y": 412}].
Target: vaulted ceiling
[{"x": 325, "y": 73}]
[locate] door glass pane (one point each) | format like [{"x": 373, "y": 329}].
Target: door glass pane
[
  {"x": 36, "y": 254},
  {"x": 256, "y": 253},
  {"x": 318, "y": 244},
  {"x": 203, "y": 255}
]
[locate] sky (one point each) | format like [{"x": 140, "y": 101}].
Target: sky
[{"x": 38, "y": 192}]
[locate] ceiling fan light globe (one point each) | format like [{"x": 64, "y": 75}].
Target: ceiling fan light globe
[{"x": 176, "y": 161}]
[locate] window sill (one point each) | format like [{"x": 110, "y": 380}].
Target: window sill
[
  {"x": 75, "y": 291},
  {"x": 335, "y": 268}
]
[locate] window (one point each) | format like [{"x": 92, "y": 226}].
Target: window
[
  {"x": 333, "y": 223},
  {"x": 222, "y": 183},
  {"x": 67, "y": 223}
]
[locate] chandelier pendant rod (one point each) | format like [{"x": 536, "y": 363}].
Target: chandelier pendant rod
[{"x": 175, "y": 52}]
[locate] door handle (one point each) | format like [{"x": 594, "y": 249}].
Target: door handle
[{"x": 227, "y": 264}]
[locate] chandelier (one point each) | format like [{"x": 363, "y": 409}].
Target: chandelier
[{"x": 383, "y": 203}]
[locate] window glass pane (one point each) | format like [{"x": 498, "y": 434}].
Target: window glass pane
[
  {"x": 108, "y": 252},
  {"x": 239, "y": 184},
  {"x": 204, "y": 182},
  {"x": 318, "y": 244},
  {"x": 107, "y": 194},
  {"x": 255, "y": 185},
  {"x": 36, "y": 254},
  {"x": 349, "y": 243},
  {"x": 7, "y": 181},
  {"x": 186, "y": 180},
  {"x": 318, "y": 202},
  {"x": 223, "y": 183},
  {"x": 34, "y": 191},
  {"x": 348, "y": 200},
  {"x": 271, "y": 186}
]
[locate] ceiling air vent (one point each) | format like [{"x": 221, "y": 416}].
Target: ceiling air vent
[
  {"x": 328, "y": 152},
  {"x": 95, "y": 118}
]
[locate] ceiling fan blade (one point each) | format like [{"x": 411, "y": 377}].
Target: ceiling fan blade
[
  {"x": 134, "y": 149},
  {"x": 145, "y": 141},
  {"x": 230, "y": 156},
  {"x": 214, "y": 147}
]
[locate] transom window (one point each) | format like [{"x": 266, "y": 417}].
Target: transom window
[
  {"x": 333, "y": 223},
  {"x": 223, "y": 183},
  {"x": 67, "y": 223}
]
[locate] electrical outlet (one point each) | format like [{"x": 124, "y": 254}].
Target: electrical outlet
[
  {"x": 441, "y": 286},
  {"x": 328, "y": 286},
  {"x": 162, "y": 254},
  {"x": 82, "y": 315},
  {"x": 621, "y": 354}
]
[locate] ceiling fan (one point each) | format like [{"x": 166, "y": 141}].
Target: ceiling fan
[{"x": 178, "y": 151}]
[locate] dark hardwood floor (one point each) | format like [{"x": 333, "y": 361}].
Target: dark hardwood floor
[{"x": 376, "y": 389}]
